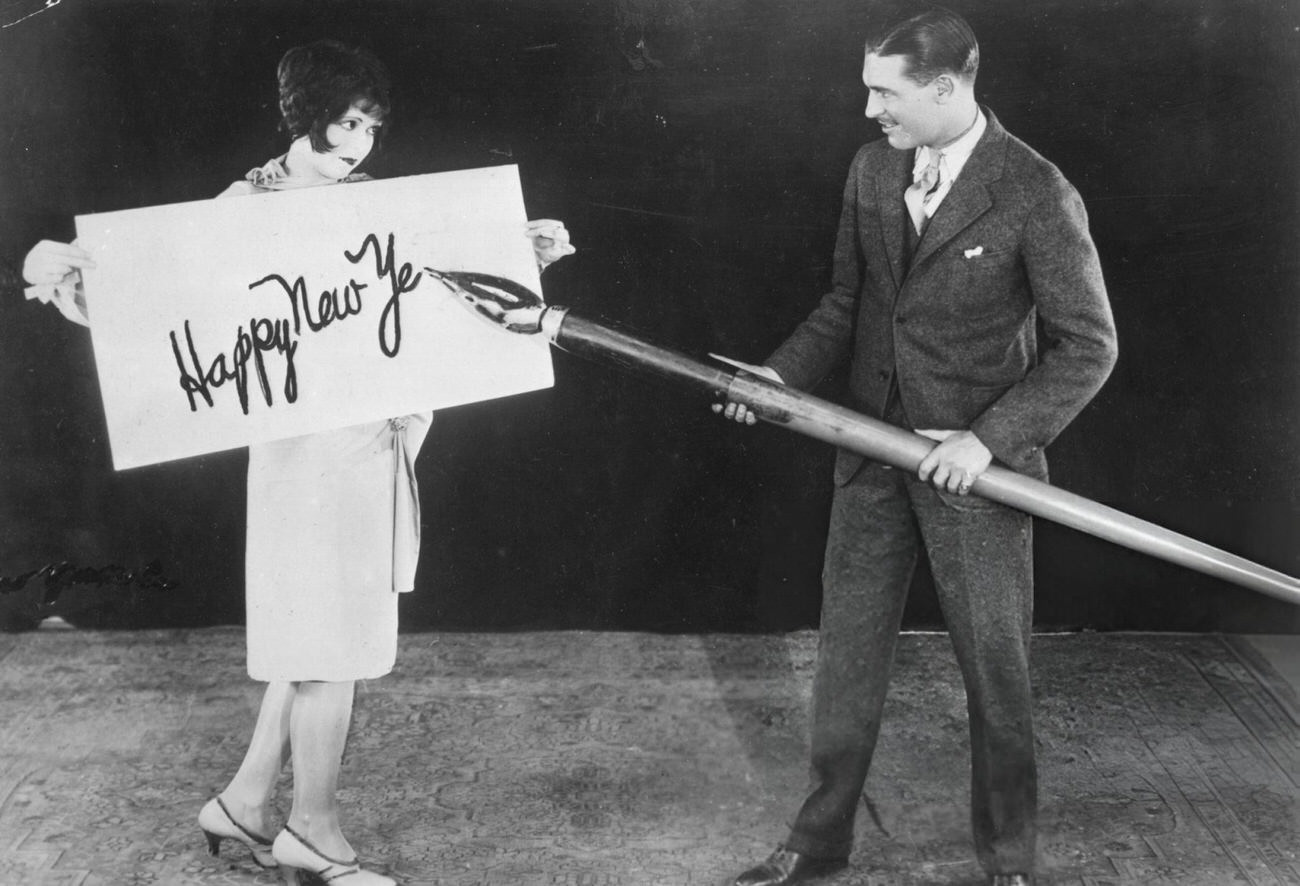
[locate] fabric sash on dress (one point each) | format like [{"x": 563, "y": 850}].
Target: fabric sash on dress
[{"x": 406, "y": 511}]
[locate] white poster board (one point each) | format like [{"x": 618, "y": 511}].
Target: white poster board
[{"x": 221, "y": 323}]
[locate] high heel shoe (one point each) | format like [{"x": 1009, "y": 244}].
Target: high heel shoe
[
  {"x": 294, "y": 854},
  {"x": 218, "y": 824}
]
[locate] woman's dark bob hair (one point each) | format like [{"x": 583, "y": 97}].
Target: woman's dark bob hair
[{"x": 321, "y": 80}]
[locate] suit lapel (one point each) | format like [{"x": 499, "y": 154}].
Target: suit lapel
[
  {"x": 891, "y": 182},
  {"x": 969, "y": 197},
  {"x": 967, "y": 201}
]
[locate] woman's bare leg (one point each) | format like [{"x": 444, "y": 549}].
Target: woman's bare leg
[
  {"x": 248, "y": 796},
  {"x": 318, "y": 732}
]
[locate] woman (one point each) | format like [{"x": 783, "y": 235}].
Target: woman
[{"x": 325, "y": 552}]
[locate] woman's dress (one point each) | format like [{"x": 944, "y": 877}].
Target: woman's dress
[{"x": 333, "y": 536}]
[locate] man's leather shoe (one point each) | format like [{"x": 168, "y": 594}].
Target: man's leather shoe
[
  {"x": 786, "y": 868},
  {"x": 1011, "y": 880}
]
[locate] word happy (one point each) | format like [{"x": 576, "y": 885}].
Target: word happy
[{"x": 267, "y": 339}]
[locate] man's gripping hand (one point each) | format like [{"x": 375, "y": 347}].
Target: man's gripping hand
[
  {"x": 739, "y": 412},
  {"x": 956, "y": 462}
]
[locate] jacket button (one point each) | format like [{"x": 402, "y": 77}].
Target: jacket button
[
  {"x": 884, "y": 373},
  {"x": 901, "y": 320}
]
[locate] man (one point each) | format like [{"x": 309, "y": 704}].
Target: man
[{"x": 956, "y": 241}]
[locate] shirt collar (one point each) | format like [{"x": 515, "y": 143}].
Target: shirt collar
[{"x": 953, "y": 158}]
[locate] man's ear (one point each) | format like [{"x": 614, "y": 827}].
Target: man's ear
[{"x": 944, "y": 88}]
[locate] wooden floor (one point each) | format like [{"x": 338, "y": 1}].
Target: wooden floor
[{"x": 604, "y": 759}]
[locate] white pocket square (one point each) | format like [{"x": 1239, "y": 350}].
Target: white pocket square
[{"x": 974, "y": 252}]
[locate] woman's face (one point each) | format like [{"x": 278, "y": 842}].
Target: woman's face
[{"x": 350, "y": 137}]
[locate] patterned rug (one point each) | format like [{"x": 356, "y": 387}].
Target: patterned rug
[{"x": 593, "y": 759}]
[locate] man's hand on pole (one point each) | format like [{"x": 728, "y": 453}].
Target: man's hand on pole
[
  {"x": 739, "y": 412},
  {"x": 956, "y": 462}
]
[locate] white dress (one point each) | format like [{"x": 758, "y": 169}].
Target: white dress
[{"x": 333, "y": 537}]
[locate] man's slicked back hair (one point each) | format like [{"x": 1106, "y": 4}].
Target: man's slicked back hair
[{"x": 936, "y": 41}]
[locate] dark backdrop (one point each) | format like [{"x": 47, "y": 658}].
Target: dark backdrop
[{"x": 696, "y": 150}]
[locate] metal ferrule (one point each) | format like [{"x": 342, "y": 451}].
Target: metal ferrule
[{"x": 552, "y": 320}]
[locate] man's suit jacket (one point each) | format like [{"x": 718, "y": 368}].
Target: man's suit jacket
[{"x": 1007, "y": 253}]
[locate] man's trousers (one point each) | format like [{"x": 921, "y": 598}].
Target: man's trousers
[{"x": 980, "y": 554}]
